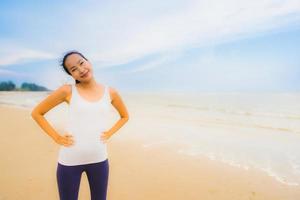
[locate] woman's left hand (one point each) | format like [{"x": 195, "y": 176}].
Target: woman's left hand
[{"x": 105, "y": 136}]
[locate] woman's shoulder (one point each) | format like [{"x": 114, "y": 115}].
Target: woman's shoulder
[
  {"x": 113, "y": 92},
  {"x": 66, "y": 89},
  {"x": 111, "y": 89}
]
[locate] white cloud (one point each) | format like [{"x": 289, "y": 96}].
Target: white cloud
[
  {"x": 10, "y": 73},
  {"x": 155, "y": 63},
  {"x": 12, "y": 54},
  {"x": 201, "y": 23},
  {"x": 123, "y": 31}
]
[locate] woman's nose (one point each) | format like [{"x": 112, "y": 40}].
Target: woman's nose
[{"x": 81, "y": 69}]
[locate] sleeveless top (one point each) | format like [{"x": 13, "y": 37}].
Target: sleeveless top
[{"x": 86, "y": 122}]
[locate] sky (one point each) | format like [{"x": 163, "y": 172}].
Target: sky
[{"x": 156, "y": 46}]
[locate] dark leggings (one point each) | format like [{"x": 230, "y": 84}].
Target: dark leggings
[{"x": 68, "y": 180}]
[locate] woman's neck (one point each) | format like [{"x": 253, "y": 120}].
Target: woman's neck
[{"x": 89, "y": 85}]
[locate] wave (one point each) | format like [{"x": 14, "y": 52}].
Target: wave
[{"x": 239, "y": 112}]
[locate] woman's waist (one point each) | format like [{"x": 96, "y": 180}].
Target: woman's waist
[
  {"x": 84, "y": 130},
  {"x": 85, "y": 135},
  {"x": 85, "y": 144}
]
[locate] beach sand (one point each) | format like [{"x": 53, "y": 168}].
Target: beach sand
[{"x": 29, "y": 161}]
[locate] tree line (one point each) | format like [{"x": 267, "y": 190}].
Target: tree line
[{"x": 10, "y": 86}]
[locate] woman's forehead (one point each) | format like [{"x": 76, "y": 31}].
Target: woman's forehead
[{"x": 72, "y": 60}]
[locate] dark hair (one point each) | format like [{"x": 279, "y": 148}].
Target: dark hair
[{"x": 64, "y": 60}]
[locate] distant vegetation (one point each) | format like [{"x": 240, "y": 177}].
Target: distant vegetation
[{"x": 10, "y": 86}]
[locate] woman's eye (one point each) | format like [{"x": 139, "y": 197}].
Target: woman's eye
[{"x": 81, "y": 63}]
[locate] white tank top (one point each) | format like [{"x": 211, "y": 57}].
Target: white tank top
[{"x": 86, "y": 122}]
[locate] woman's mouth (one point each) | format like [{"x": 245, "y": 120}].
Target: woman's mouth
[{"x": 84, "y": 75}]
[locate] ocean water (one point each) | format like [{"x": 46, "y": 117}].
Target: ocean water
[{"x": 246, "y": 130}]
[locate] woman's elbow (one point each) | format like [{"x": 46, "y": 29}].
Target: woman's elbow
[
  {"x": 35, "y": 113},
  {"x": 125, "y": 118}
]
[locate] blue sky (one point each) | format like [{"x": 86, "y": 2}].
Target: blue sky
[{"x": 156, "y": 46}]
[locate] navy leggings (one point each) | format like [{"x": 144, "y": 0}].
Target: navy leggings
[{"x": 68, "y": 180}]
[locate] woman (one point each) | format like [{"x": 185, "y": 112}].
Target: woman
[{"x": 83, "y": 146}]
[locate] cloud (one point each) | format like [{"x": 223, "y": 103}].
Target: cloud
[
  {"x": 10, "y": 73},
  {"x": 199, "y": 24},
  {"x": 119, "y": 32},
  {"x": 155, "y": 63},
  {"x": 12, "y": 54}
]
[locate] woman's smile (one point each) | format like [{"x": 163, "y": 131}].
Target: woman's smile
[{"x": 85, "y": 74}]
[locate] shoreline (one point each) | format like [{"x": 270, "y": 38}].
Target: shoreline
[{"x": 135, "y": 172}]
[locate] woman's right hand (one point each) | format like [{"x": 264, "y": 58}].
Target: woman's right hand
[{"x": 65, "y": 140}]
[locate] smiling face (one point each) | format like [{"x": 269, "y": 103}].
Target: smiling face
[{"x": 79, "y": 68}]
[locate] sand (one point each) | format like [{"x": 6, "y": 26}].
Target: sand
[{"x": 29, "y": 161}]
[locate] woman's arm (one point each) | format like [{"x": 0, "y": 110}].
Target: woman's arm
[
  {"x": 121, "y": 108},
  {"x": 56, "y": 97}
]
